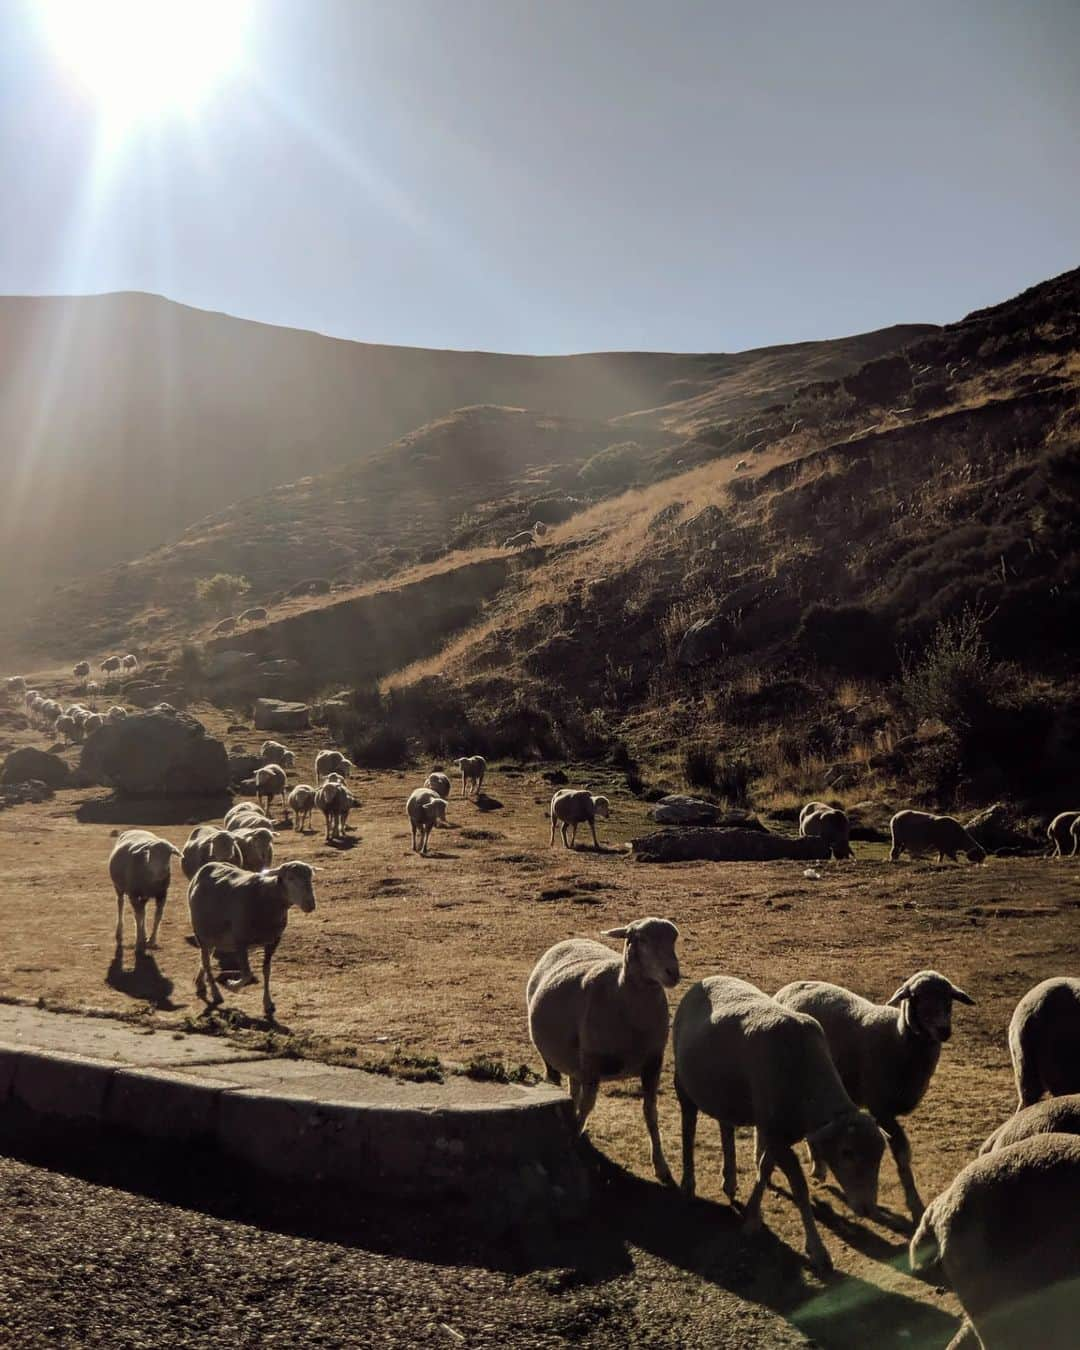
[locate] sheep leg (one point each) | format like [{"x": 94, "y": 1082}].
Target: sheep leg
[
  {"x": 139, "y": 906},
  {"x": 894, "y": 853},
  {"x": 564, "y": 830},
  {"x": 205, "y": 976},
  {"x": 901, "y": 1151},
  {"x": 552, "y": 839},
  {"x": 650, "y": 1085},
  {"x": 595, "y": 841},
  {"x": 727, "y": 1143},
  {"x": 587, "y": 1090},
  {"x": 965, "y": 1338},
  {"x": 689, "y": 1129},
  {"x": 268, "y": 956},
  {"x": 551, "y": 1073},
  {"x": 818, "y": 1170},
  {"x": 159, "y": 910},
  {"x": 815, "y": 1249},
  {"x": 119, "y": 918}
]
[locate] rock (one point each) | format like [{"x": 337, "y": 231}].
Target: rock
[
  {"x": 16, "y": 721},
  {"x": 995, "y": 828},
  {"x": 242, "y": 767},
  {"x": 17, "y": 794},
  {"x": 704, "y": 640},
  {"x": 274, "y": 714},
  {"x": 156, "y": 754},
  {"x": 218, "y": 664},
  {"x": 555, "y": 777},
  {"x": 739, "y": 845},
  {"x": 678, "y": 809},
  {"x": 284, "y": 666},
  {"x": 29, "y": 763},
  {"x": 706, "y": 524},
  {"x": 147, "y": 695},
  {"x": 666, "y": 517}
]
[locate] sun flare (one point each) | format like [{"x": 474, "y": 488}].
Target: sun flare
[{"x": 138, "y": 58}]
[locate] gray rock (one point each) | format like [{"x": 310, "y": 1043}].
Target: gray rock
[
  {"x": 678, "y": 809},
  {"x": 30, "y": 763},
  {"x": 156, "y": 754},
  {"x": 704, "y": 640},
  {"x": 284, "y": 666},
  {"x": 995, "y": 828},
  {"x": 741, "y": 845},
  {"x": 17, "y": 794},
  {"x": 242, "y": 767},
  {"x": 274, "y": 714},
  {"x": 218, "y": 664}
]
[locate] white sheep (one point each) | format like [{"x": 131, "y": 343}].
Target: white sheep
[
  {"x": 206, "y": 843},
  {"x": 238, "y": 910},
  {"x": 473, "y": 768},
  {"x": 885, "y": 1054},
  {"x": 129, "y": 664},
  {"x": 302, "y": 802},
  {"x": 440, "y": 783},
  {"x": 1060, "y": 834},
  {"x": 571, "y": 807},
  {"x": 425, "y": 808},
  {"x": 270, "y": 782},
  {"x": 110, "y": 666},
  {"x": 1044, "y": 1040},
  {"x": 116, "y": 714},
  {"x": 81, "y": 670},
  {"x": 539, "y": 529},
  {"x": 595, "y": 1016},
  {"x": 332, "y": 761},
  {"x": 92, "y": 722},
  {"x": 921, "y": 832},
  {"x": 66, "y": 727},
  {"x": 1006, "y": 1236},
  {"x": 246, "y": 813},
  {"x": 1053, "y": 1115},
  {"x": 820, "y": 821},
  {"x": 523, "y": 539},
  {"x": 745, "y": 1059},
  {"x": 256, "y": 844},
  {"x": 273, "y": 752},
  {"x": 333, "y": 801},
  {"x": 139, "y": 869}
]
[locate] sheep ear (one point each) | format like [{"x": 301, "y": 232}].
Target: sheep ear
[
  {"x": 902, "y": 993},
  {"x": 961, "y": 997},
  {"x": 616, "y": 932}
]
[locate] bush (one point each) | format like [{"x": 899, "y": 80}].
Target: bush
[
  {"x": 956, "y": 680},
  {"x": 852, "y": 639},
  {"x": 733, "y": 782},
  {"x": 386, "y": 747},
  {"x": 616, "y": 465},
  {"x": 700, "y": 765},
  {"x": 221, "y": 591},
  {"x": 190, "y": 665}
]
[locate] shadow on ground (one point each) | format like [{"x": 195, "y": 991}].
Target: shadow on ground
[{"x": 144, "y": 981}]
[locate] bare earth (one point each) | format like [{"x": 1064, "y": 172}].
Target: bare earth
[{"x": 413, "y": 956}]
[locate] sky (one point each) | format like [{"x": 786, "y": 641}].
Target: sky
[{"x": 558, "y": 175}]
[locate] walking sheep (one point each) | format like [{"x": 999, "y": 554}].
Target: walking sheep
[
  {"x": 921, "y": 832},
  {"x": 302, "y": 803},
  {"x": 206, "y": 843},
  {"x": 81, "y": 670},
  {"x": 571, "y": 807},
  {"x": 256, "y": 845},
  {"x": 425, "y": 808},
  {"x": 523, "y": 539},
  {"x": 745, "y": 1059},
  {"x": 129, "y": 664},
  {"x": 1044, "y": 1040},
  {"x": 237, "y": 910},
  {"x": 1005, "y": 1234},
  {"x": 1061, "y": 835},
  {"x": 247, "y": 815},
  {"x": 270, "y": 782},
  {"x": 473, "y": 768},
  {"x": 254, "y": 615},
  {"x": 332, "y": 761},
  {"x": 139, "y": 869},
  {"x": 885, "y": 1054},
  {"x": 110, "y": 666},
  {"x": 595, "y": 1016},
  {"x": 438, "y": 782},
  {"x": 333, "y": 801}
]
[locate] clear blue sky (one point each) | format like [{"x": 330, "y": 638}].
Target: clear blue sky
[{"x": 568, "y": 175}]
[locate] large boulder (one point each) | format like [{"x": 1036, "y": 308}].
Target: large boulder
[
  {"x": 274, "y": 714},
  {"x": 27, "y": 763},
  {"x": 243, "y": 766},
  {"x": 704, "y": 640},
  {"x": 740, "y": 845},
  {"x": 996, "y": 829},
  {"x": 677, "y": 809},
  {"x": 156, "y": 754},
  {"x": 218, "y": 664}
]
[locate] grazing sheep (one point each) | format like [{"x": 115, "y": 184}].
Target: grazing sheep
[
  {"x": 273, "y": 752},
  {"x": 223, "y": 627},
  {"x": 831, "y": 827},
  {"x": 15, "y": 684},
  {"x": 333, "y": 801},
  {"x": 82, "y": 670},
  {"x": 270, "y": 782},
  {"x": 571, "y": 807},
  {"x": 110, "y": 666},
  {"x": 1053, "y": 1115},
  {"x": 596, "y": 1016},
  {"x": 745, "y": 1059},
  {"x": 139, "y": 868},
  {"x": 92, "y": 722},
  {"x": 885, "y": 1054},
  {"x": 129, "y": 664},
  {"x": 1006, "y": 1237},
  {"x": 473, "y": 768},
  {"x": 811, "y": 808},
  {"x": 246, "y": 811},
  {"x": 302, "y": 802},
  {"x": 237, "y": 910},
  {"x": 438, "y": 782},
  {"x": 254, "y": 615},
  {"x": 523, "y": 539},
  {"x": 256, "y": 845},
  {"x": 206, "y": 843},
  {"x": 1044, "y": 1040},
  {"x": 332, "y": 761},
  {"x": 1061, "y": 834},
  {"x": 66, "y": 727},
  {"x": 425, "y": 808},
  {"x": 921, "y": 832},
  {"x": 116, "y": 714}
]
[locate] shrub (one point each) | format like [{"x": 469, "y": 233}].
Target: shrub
[
  {"x": 853, "y": 639},
  {"x": 614, "y": 466},
  {"x": 956, "y": 679},
  {"x": 221, "y": 591},
  {"x": 190, "y": 665},
  {"x": 700, "y": 765},
  {"x": 733, "y": 782},
  {"x": 385, "y": 747}
]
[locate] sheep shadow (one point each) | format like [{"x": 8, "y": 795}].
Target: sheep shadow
[
  {"x": 144, "y": 981},
  {"x": 342, "y": 845},
  {"x": 483, "y": 802}
]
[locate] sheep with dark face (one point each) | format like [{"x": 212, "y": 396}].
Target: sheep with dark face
[
  {"x": 920, "y": 832},
  {"x": 571, "y": 807},
  {"x": 885, "y": 1054},
  {"x": 596, "y": 1016},
  {"x": 256, "y": 845},
  {"x": 139, "y": 868},
  {"x": 1044, "y": 1040}
]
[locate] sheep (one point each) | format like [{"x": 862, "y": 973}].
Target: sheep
[
  {"x": 438, "y": 782},
  {"x": 745, "y": 1059},
  {"x": 473, "y": 768},
  {"x": 129, "y": 664},
  {"x": 1061, "y": 834},
  {"x": 523, "y": 539},
  {"x": 273, "y": 752},
  {"x": 595, "y": 1016},
  {"x": 921, "y": 832},
  {"x": 206, "y": 843},
  {"x": 332, "y": 761},
  {"x": 110, "y": 666},
  {"x": 15, "y": 684},
  {"x": 93, "y": 722},
  {"x": 1044, "y": 1040},
  {"x": 246, "y": 811},
  {"x": 425, "y": 808},
  {"x": 81, "y": 670},
  {"x": 1053, "y": 1115},
  {"x": 30, "y": 696},
  {"x": 223, "y": 627},
  {"x": 885, "y": 1054},
  {"x": 302, "y": 802},
  {"x": 1005, "y": 1235},
  {"x": 166, "y": 708},
  {"x": 256, "y": 844},
  {"x": 539, "y": 529},
  {"x": 831, "y": 827},
  {"x": 571, "y": 807},
  {"x": 333, "y": 801},
  {"x": 139, "y": 869},
  {"x": 270, "y": 782},
  {"x": 741, "y": 465},
  {"x": 116, "y": 714},
  {"x": 237, "y": 910},
  {"x": 65, "y": 726},
  {"x": 254, "y": 615}
]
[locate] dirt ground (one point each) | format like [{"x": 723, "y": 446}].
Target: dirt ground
[{"x": 411, "y": 956}]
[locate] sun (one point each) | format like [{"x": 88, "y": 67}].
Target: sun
[{"x": 139, "y": 58}]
